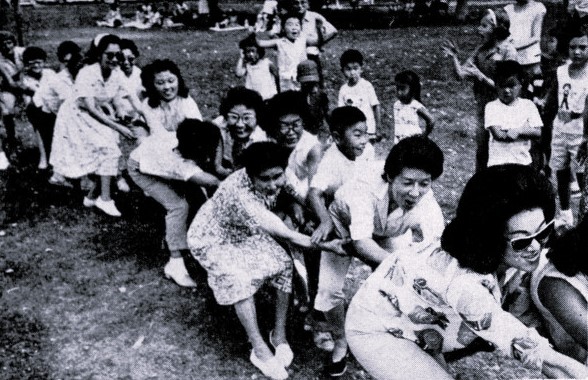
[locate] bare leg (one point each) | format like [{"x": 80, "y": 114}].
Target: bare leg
[
  {"x": 105, "y": 187},
  {"x": 336, "y": 317},
  {"x": 247, "y": 314},
  {"x": 282, "y": 303},
  {"x": 42, "y": 152}
]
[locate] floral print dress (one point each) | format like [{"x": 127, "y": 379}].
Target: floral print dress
[{"x": 227, "y": 240}]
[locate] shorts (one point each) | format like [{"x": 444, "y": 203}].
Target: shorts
[{"x": 564, "y": 149}]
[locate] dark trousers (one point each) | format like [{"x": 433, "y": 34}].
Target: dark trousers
[{"x": 42, "y": 122}]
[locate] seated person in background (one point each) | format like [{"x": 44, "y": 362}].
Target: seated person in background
[
  {"x": 512, "y": 121},
  {"x": 418, "y": 305},
  {"x": 240, "y": 111},
  {"x": 113, "y": 18},
  {"x": 560, "y": 292},
  {"x": 240, "y": 241},
  {"x": 161, "y": 165},
  {"x": 381, "y": 212}
]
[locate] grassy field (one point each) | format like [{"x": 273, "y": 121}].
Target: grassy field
[{"x": 83, "y": 296}]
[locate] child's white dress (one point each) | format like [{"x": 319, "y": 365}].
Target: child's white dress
[
  {"x": 406, "y": 119},
  {"x": 290, "y": 54},
  {"x": 81, "y": 144},
  {"x": 258, "y": 77}
]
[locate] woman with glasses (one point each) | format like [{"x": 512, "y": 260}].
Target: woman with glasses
[
  {"x": 87, "y": 127},
  {"x": 418, "y": 305},
  {"x": 240, "y": 115},
  {"x": 560, "y": 292}
]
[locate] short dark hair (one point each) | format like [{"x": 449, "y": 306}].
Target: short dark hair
[
  {"x": 5, "y": 35},
  {"x": 288, "y": 16},
  {"x": 475, "y": 237},
  {"x": 129, "y": 44},
  {"x": 568, "y": 253},
  {"x": 242, "y": 96},
  {"x": 344, "y": 117},
  {"x": 251, "y": 41},
  {"x": 502, "y": 28},
  {"x": 105, "y": 41},
  {"x": 67, "y": 47},
  {"x": 261, "y": 156},
  {"x": 285, "y": 103},
  {"x": 33, "y": 53},
  {"x": 351, "y": 56},
  {"x": 414, "y": 152},
  {"x": 148, "y": 78},
  {"x": 508, "y": 69},
  {"x": 198, "y": 141}
]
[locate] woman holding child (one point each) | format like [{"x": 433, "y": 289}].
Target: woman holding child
[
  {"x": 418, "y": 305},
  {"x": 241, "y": 242}
]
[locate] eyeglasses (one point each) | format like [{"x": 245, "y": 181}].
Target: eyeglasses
[
  {"x": 295, "y": 125},
  {"x": 542, "y": 236},
  {"x": 233, "y": 118},
  {"x": 129, "y": 58},
  {"x": 110, "y": 55}
]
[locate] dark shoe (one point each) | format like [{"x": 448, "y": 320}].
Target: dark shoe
[{"x": 336, "y": 369}]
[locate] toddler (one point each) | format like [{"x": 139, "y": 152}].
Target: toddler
[
  {"x": 408, "y": 108},
  {"x": 512, "y": 121},
  {"x": 358, "y": 92},
  {"x": 260, "y": 73},
  {"x": 291, "y": 51}
]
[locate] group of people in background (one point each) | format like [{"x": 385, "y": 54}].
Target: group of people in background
[{"x": 282, "y": 188}]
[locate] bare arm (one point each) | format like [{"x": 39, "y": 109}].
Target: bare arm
[
  {"x": 316, "y": 202},
  {"x": 221, "y": 171},
  {"x": 313, "y": 159},
  {"x": 89, "y": 105},
  {"x": 274, "y": 71},
  {"x": 498, "y": 133},
  {"x": 559, "y": 366},
  {"x": 369, "y": 251},
  {"x": 267, "y": 43},
  {"x": 429, "y": 121},
  {"x": 568, "y": 307},
  {"x": 241, "y": 69},
  {"x": 377, "y": 116},
  {"x": 204, "y": 179}
]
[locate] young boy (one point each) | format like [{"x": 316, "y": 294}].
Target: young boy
[
  {"x": 571, "y": 86},
  {"x": 358, "y": 92},
  {"x": 316, "y": 100},
  {"x": 512, "y": 121}
]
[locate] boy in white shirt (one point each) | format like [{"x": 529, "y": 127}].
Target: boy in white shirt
[
  {"x": 358, "y": 92},
  {"x": 512, "y": 121}
]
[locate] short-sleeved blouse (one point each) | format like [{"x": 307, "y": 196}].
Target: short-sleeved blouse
[
  {"x": 168, "y": 115},
  {"x": 227, "y": 240},
  {"x": 412, "y": 291}
]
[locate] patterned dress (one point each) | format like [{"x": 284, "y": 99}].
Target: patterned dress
[
  {"x": 227, "y": 240},
  {"x": 81, "y": 144}
]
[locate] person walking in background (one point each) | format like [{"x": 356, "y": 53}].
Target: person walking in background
[{"x": 480, "y": 67}]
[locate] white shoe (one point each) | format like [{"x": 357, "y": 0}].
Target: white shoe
[
  {"x": 88, "y": 202},
  {"x": 270, "y": 368},
  {"x": 565, "y": 219},
  {"x": 4, "y": 163},
  {"x": 122, "y": 185},
  {"x": 575, "y": 189},
  {"x": 175, "y": 269},
  {"x": 284, "y": 353},
  {"x": 108, "y": 207}
]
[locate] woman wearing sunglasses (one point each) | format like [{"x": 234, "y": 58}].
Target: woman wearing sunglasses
[
  {"x": 418, "y": 305},
  {"x": 87, "y": 129},
  {"x": 560, "y": 292}
]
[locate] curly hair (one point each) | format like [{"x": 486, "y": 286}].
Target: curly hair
[
  {"x": 491, "y": 197},
  {"x": 262, "y": 156},
  {"x": 284, "y": 103},
  {"x": 148, "y": 79},
  {"x": 242, "y": 96}
]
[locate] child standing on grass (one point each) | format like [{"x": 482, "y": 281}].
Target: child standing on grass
[
  {"x": 35, "y": 73},
  {"x": 408, "y": 109},
  {"x": 291, "y": 51},
  {"x": 358, "y": 92},
  {"x": 512, "y": 121},
  {"x": 260, "y": 73},
  {"x": 571, "y": 87}
]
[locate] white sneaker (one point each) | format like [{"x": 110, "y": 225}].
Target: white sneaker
[
  {"x": 270, "y": 368},
  {"x": 575, "y": 189},
  {"x": 175, "y": 269},
  {"x": 88, "y": 202},
  {"x": 4, "y": 163},
  {"x": 122, "y": 185},
  {"x": 108, "y": 207},
  {"x": 565, "y": 218}
]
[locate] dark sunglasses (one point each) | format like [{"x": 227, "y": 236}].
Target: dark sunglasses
[
  {"x": 542, "y": 236},
  {"x": 112, "y": 55}
]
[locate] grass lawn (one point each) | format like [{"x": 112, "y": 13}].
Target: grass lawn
[{"x": 83, "y": 295}]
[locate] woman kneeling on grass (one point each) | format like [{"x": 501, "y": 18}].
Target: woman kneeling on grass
[
  {"x": 170, "y": 170},
  {"x": 235, "y": 238},
  {"x": 418, "y": 305}
]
